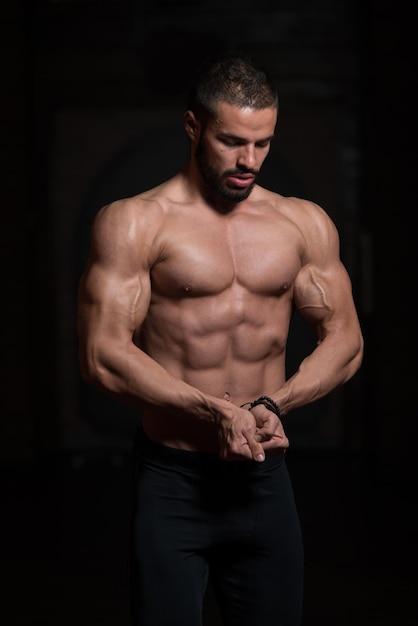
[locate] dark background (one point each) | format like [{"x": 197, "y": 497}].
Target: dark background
[{"x": 92, "y": 101}]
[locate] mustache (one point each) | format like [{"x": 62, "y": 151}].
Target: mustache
[{"x": 241, "y": 170}]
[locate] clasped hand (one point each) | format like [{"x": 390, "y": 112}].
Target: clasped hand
[{"x": 249, "y": 434}]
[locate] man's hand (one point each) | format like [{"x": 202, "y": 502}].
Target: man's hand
[
  {"x": 237, "y": 434},
  {"x": 269, "y": 429}
]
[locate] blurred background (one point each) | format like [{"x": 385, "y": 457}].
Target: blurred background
[{"x": 93, "y": 93}]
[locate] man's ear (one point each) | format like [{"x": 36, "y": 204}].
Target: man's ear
[{"x": 192, "y": 125}]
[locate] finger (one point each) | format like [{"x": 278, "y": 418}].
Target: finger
[
  {"x": 237, "y": 452},
  {"x": 276, "y": 443},
  {"x": 257, "y": 451},
  {"x": 268, "y": 431}
]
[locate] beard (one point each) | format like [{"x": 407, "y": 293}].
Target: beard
[{"x": 215, "y": 181}]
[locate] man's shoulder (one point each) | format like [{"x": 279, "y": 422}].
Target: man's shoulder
[
  {"x": 302, "y": 216},
  {"x": 127, "y": 219},
  {"x": 301, "y": 211},
  {"x": 287, "y": 203},
  {"x": 151, "y": 202}
]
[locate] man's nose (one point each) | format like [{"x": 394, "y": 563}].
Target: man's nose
[{"x": 246, "y": 157}]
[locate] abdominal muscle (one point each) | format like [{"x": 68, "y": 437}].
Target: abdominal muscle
[{"x": 212, "y": 347}]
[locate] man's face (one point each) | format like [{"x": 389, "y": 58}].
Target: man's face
[{"x": 232, "y": 147}]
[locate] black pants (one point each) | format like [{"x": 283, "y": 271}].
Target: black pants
[{"x": 195, "y": 517}]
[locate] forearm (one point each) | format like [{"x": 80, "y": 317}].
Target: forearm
[
  {"x": 329, "y": 366},
  {"x": 128, "y": 374}
]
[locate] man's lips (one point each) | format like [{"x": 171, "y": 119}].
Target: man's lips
[{"x": 241, "y": 180}]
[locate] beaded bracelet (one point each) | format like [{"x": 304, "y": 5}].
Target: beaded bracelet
[{"x": 268, "y": 402}]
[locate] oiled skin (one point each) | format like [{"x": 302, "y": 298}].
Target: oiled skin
[{"x": 185, "y": 303}]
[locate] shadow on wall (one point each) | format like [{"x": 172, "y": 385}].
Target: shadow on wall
[{"x": 144, "y": 163}]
